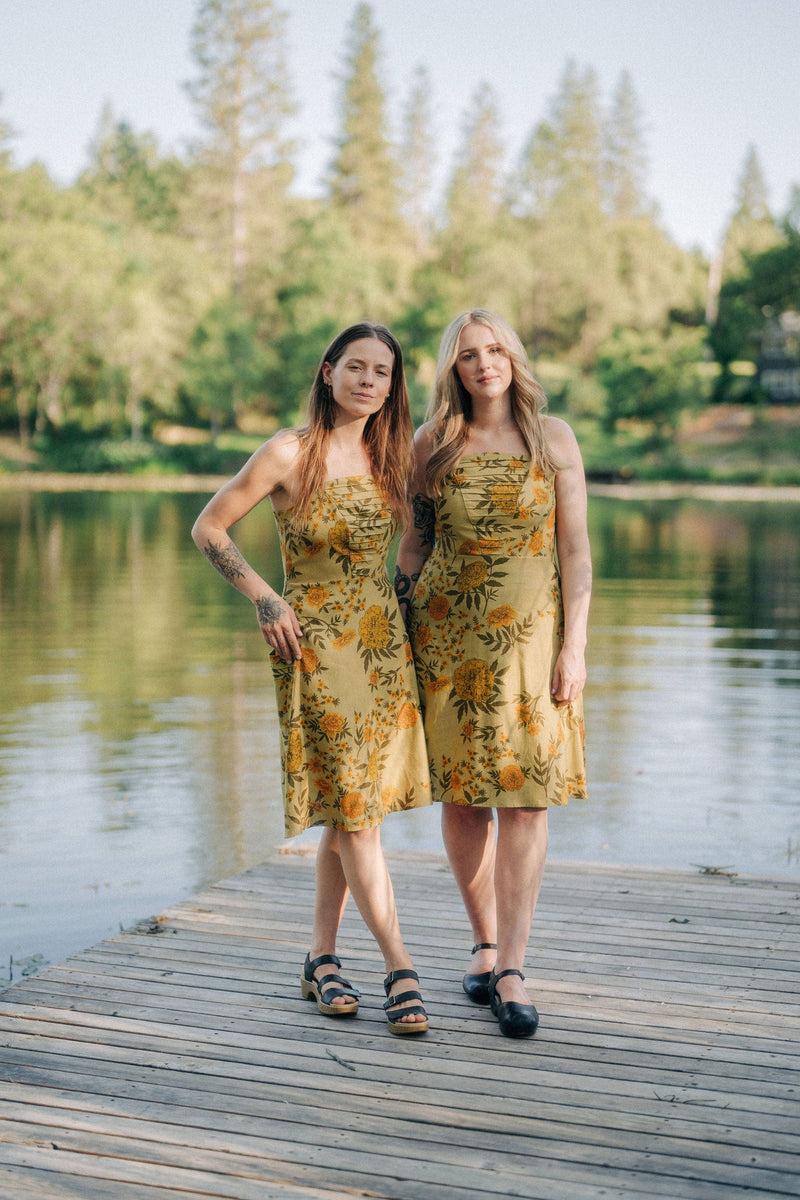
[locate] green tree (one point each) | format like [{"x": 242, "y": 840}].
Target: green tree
[
  {"x": 768, "y": 286},
  {"x": 127, "y": 176},
  {"x": 363, "y": 175},
  {"x": 223, "y": 371},
  {"x": 7, "y": 135},
  {"x": 625, "y": 154},
  {"x": 652, "y": 378},
  {"x": 752, "y": 228},
  {"x": 418, "y": 157},
  {"x": 243, "y": 100},
  {"x": 161, "y": 293},
  {"x": 569, "y": 272},
  {"x": 791, "y": 219},
  {"x": 56, "y": 285},
  {"x": 476, "y": 185}
]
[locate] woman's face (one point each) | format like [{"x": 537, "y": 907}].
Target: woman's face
[
  {"x": 361, "y": 378},
  {"x": 483, "y": 366}
]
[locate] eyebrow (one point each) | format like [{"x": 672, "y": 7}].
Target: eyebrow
[
  {"x": 362, "y": 362},
  {"x": 472, "y": 349}
]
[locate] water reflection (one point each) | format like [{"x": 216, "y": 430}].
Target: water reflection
[{"x": 137, "y": 721}]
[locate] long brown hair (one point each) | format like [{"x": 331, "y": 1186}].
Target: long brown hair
[
  {"x": 387, "y": 433},
  {"x": 450, "y": 409}
]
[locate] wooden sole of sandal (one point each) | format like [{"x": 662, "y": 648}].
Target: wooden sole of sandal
[
  {"x": 403, "y": 1027},
  {"x": 310, "y": 991}
]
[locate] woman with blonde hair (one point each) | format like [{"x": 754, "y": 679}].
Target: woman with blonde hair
[
  {"x": 352, "y": 746},
  {"x": 495, "y": 575}
]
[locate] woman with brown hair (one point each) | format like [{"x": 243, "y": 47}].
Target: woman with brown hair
[
  {"x": 496, "y": 570},
  {"x": 352, "y": 747}
]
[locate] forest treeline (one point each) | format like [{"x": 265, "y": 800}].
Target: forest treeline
[{"x": 198, "y": 290}]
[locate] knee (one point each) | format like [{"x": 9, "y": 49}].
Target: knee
[
  {"x": 463, "y": 817},
  {"x": 527, "y": 822}
]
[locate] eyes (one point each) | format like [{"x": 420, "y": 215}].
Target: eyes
[
  {"x": 469, "y": 355},
  {"x": 381, "y": 372}
]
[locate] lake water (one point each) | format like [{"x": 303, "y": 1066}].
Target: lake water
[{"x": 138, "y": 740}]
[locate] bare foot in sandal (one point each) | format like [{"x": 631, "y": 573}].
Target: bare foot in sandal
[
  {"x": 334, "y": 995},
  {"x": 405, "y": 1012}
]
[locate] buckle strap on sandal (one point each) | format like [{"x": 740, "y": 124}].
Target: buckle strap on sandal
[
  {"x": 502, "y": 974},
  {"x": 484, "y": 946},
  {"x": 393, "y": 976},
  {"x": 312, "y": 964},
  {"x": 401, "y": 998},
  {"x": 326, "y": 985}
]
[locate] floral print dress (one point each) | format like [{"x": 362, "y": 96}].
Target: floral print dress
[
  {"x": 487, "y": 627},
  {"x": 352, "y": 744}
]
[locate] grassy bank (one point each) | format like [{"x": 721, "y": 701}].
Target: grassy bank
[{"x": 722, "y": 445}]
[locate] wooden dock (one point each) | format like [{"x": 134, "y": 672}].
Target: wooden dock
[{"x": 179, "y": 1060}]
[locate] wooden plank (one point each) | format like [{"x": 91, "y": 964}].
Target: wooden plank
[
  {"x": 508, "y": 1174},
  {"x": 185, "y": 1060}
]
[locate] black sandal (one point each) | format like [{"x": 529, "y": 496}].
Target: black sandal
[
  {"x": 477, "y": 986},
  {"x": 515, "y": 1019},
  {"x": 324, "y": 990},
  {"x": 396, "y": 1024}
]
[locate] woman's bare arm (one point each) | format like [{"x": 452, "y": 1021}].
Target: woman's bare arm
[
  {"x": 269, "y": 472},
  {"x": 575, "y": 562}
]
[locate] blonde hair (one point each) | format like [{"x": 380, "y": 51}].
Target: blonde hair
[
  {"x": 387, "y": 433},
  {"x": 450, "y": 409}
]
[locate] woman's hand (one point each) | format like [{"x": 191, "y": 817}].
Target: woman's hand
[
  {"x": 569, "y": 676},
  {"x": 279, "y": 625}
]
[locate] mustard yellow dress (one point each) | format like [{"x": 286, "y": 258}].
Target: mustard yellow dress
[
  {"x": 352, "y": 743},
  {"x": 487, "y": 627}
]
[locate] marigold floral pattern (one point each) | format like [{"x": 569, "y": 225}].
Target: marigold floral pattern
[
  {"x": 352, "y": 742},
  {"x": 486, "y": 628}
]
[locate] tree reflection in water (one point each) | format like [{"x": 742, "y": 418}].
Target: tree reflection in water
[{"x": 138, "y": 741}]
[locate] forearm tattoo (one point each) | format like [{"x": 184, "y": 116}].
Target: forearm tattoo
[
  {"x": 404, "y": 587},
  {"x": 227, "y": 560},
  {"x": 269, "y": 609},
  {"x": 424, "y": 518}
]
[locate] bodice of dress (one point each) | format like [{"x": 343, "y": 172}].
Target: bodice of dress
[
  {"x": 492, "y": 504},
  {"x": 347, "y": 532}
]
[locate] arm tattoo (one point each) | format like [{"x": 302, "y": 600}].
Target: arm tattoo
[
  {"x": 404, "y": 587},
  {"x": 227, "y": 560},
  {"x": 268, "y": 609},
  {"x": 424, "y": 519}
]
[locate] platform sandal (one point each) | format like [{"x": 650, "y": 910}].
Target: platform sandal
[
  {"x": 328, "y": 988},
  {"x": 477, "y": 986},
  {"x": 515, "y": 1019},
  {"x": 396, "y": 1024}
]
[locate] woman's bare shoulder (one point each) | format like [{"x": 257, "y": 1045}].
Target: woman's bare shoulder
[
  {"x": 424, "y": 442},
  {"x": 561, "y": 438}
]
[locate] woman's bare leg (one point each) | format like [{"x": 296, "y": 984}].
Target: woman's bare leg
[
  {"x": 329, "y": 904},
  {"x": 369, "y": 881},
  {"x": 521, "y": 853},
  {"x": 469, "y": 839}
]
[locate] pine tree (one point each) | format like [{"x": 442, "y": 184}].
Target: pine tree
[
  {"x": 751, "y": 229},
  {"x": 417, "y": 157},
  {"x": 563, "y": 159},
  {"x": 475, "y": 190},
  {"x": 625, "y": 154},
  {"x": 243, "y": 99},
  {"x": 6, "y": 136},
  {"x": 363, "y": 175},
  {"x": 558, "y": 195},
  {"x": 128, "y": 176}
]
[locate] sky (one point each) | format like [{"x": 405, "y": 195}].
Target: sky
[{"x": 712, "y": 76}]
